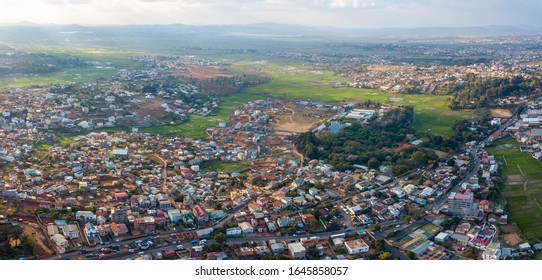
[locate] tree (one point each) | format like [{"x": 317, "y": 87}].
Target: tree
[
  {"x": 220, "y": 238},
  {"x": 385, "y": 256},
  {"x": 408, "y": 219},
  {"x": 411, "y": 255},
  {"x": 419, "y": 157},
  {"x": 471, "y": 253},
  {"x": 373, "y": 163},
  {"x": 376, "y": 227},
  {"x": 213, "y": 247},
  {"x": 315, "y": 225}
]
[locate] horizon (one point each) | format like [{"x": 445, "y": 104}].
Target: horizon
[{"x": 350, "y": 14}]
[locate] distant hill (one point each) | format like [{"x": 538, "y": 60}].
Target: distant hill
[{"x": 257, "y": 36}]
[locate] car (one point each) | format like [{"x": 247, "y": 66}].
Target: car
[
  {"x": 180, "y": 247},
  {"x": 397, "y": 226},
  {"x": 348, "y": 230}
]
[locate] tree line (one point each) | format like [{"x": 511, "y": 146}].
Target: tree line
[
  {"x": 480, "y": 92},
  {"x": 371, "y": 144}
]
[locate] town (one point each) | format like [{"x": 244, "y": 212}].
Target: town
[
  {"x": 118, "y": 195},
  {"x": 88, "y": 170}
]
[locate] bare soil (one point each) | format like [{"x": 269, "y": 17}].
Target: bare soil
[{"x": 501, "y": 113}]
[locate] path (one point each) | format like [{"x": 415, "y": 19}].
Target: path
[
  {"x": 520, "y": 169},
  {"x": 536, "y": 201},
  {"x": 504, "y": 158}
]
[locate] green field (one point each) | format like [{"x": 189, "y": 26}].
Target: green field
[
  {"x": 196, "y": 126},
  {"x": 302, "y": 83},
  {"x": 64, "y": 142},
  {"x": 227, "y": 167},
  {"x": 523, "y": 186},
  {"x": 76, "y": 75}
]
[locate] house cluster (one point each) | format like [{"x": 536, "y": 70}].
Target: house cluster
[
  {"x": 129, "y": 98},
  {"x": 335, "y": 247},
  {"x": 436, "y": 79},
  {"x": 528, "y": 129}
]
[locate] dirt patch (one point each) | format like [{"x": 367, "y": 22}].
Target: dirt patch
[
  {"x": 501, "y": 113},
  {"x": 207, "y": 72},
  {"x": 152, "y": 108},
  {"x": 511, "y": 239},
  {"x": 32, "y": 229},
  {"x": 514, "y": 179},
  {"x": 401, "y": 147},
  {"x": 297, "y": 120},
  {"x": 441, "y": 154}
]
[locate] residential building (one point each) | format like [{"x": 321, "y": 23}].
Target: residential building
[
  {"x": 462, "y": 204},
  {"x": 202, "y": 217},
  {"x": 119, "y": 215},
  {"x": 297, "y": 251},
  {"x": 356, "y": 246}
]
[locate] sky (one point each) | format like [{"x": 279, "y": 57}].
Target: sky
[{"x": 332, "y": 13}]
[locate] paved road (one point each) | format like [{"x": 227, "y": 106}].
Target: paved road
[{"x": 474, "y": 155}]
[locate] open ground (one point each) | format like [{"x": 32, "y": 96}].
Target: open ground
[{"x": 523, "y": 186}]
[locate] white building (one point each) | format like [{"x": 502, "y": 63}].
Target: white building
[
  {"x": 233, "y": 231},
  {"x": 356, "y": 246}
]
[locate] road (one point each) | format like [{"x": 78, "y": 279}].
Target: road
[
  {"x": 397, "y": 254},
  {"x": 474, "y": 155}
]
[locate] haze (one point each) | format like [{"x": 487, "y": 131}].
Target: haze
[{"x": 335, "y": 13}]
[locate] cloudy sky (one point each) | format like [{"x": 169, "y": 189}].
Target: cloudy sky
[{"x": 338, "y": 13}]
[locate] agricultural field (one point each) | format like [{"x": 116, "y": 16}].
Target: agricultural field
[
  {"x": 67, "y": 76},
  {"x": 523, "y": 186},
  {"x": 291, "y": 82}
]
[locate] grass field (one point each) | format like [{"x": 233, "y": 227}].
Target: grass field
[
  {"x": 64, "y": 142},
  {"x": 523, "y": 186},
  {"x": 196, "y": 126},
  {"x": 302, "y": 83},
  {"x": 227, "y": 167},
  {"x": 62, "y": 77}
]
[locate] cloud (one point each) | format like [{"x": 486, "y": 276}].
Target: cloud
[
  {"x": 343, "y": 13},
  {"x": 350, "y": 3},
  {"x": 79, "y": 2}
]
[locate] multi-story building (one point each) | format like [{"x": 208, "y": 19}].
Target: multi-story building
[
  {"x": 462, "y": 204},
  {"x": 119, "y": 215},
  {"x": 297, "y": 251},
  {"x": 201, "y": 214}
]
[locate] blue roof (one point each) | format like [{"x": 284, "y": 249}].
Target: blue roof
[{"x": 336, "y": 127}]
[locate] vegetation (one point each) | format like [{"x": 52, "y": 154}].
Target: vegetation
[
  {"x": 369, "y": 144},
  {"x": 227, "y": 167},
  {"x": 14, "y": 243},
  {"x": 385, "y": 256},
  {"x": 522, "y": 186},
  {"x": 67, "y": 76},
  {"x": 432, "y": 113},
  {"x": 479, "y": 92}
]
